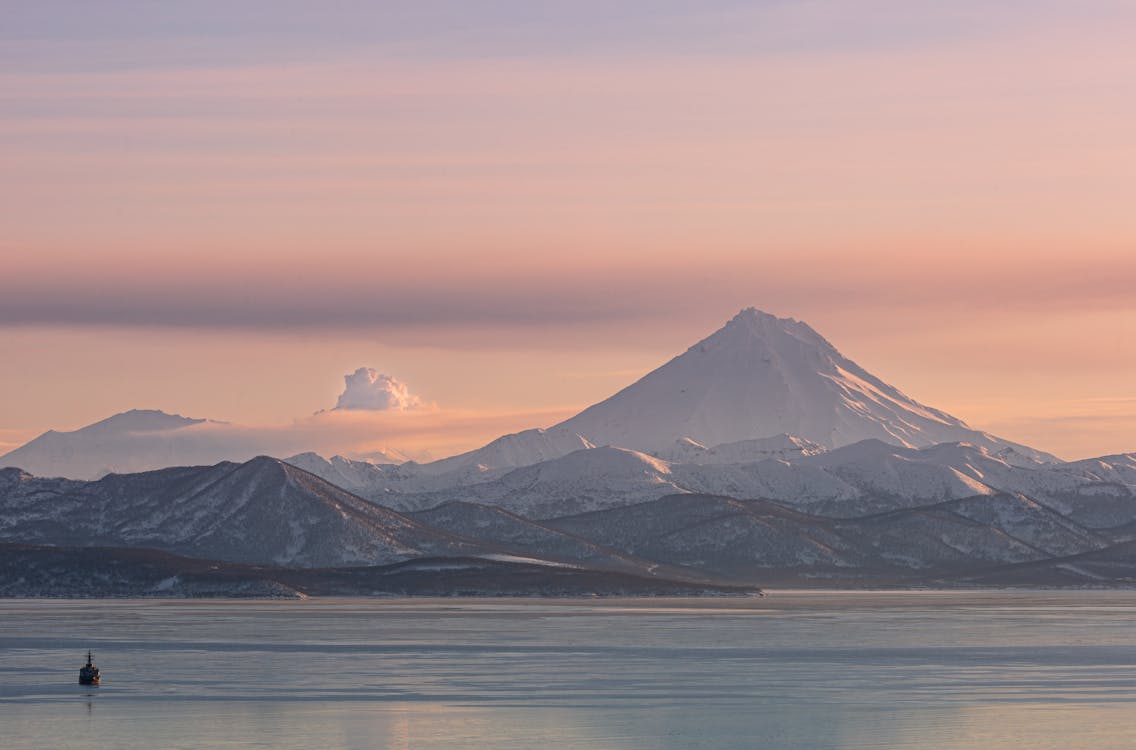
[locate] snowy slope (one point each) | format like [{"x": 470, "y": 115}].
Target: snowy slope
[
  {"x": 509, "y": 451},
  {"x": 873, "y": 476},
  {"x": 134, "y": 440},
  {"x": 588, "y": 479},
  {"x": 347, "y": 473},
  {"x": 385, "y": 456},
  {"x": 864, "y": 478},
  {"x": 788, "y": 447},
  {"x": 761, "y": 376},
  {"x": 378, "y": 482}
]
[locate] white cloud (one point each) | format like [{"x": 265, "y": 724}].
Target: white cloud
[{"x": 370, "y": 390}]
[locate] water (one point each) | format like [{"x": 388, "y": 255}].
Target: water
[{"x": 795, "y": 670}]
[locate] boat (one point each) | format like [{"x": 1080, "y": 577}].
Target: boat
[{"x": 89, "y": 674}]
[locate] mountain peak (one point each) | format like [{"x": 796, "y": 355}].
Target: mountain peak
[
  {"x": 135, "y": 440},
  {"x": 141, "y": 420},
  {"x": 758, "y": 376},
  {"x": 754, "y": 321},
  {"x": 754, "y": 327},
  {"x": 753, "y": 315}
]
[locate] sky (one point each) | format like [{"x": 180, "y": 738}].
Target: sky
[{"x": 514, "y": 209}]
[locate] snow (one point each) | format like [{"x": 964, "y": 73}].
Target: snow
[
  {"x": 865, "y": 477},
  {"x": 685, "y": 450},
  {"x": 527, "y": 560},
  {"x": 509, "y": 451}
]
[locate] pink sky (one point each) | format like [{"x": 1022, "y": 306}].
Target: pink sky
[{"x": 517, "y": 214}]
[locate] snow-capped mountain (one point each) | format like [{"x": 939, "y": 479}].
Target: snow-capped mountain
[
  {"x": 148, "y": 439},
  {"x": 864, "y": 478},
  {"x": 134, "y": 440},
  {"x": 761, "y": 376}
]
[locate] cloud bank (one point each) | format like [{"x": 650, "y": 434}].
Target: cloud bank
[
  {"x": 419, "y": 434},
  {"x": 367, "y": 389}
]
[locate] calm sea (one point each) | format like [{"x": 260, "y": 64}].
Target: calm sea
[{"x": 808, "y": 670}]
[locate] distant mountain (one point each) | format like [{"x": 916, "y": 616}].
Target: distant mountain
[
  {"x": 135, "y": 440},
  {"x": 147, "y": 439}
]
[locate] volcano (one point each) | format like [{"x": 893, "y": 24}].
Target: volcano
[{"x": 761, "y": 376}]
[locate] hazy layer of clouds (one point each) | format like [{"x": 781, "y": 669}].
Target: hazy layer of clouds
[
  {"x": 439, "y": 432},
  {"x": 416, "y": 433},
  {"x": 531, "y": 301}
]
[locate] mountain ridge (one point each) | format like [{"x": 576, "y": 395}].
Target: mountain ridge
[
  {"x": 261, "y": 511},
  {"x": 759, "y": 386}
]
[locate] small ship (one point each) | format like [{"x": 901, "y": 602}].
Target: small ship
[{"x": 89, "y": 673}]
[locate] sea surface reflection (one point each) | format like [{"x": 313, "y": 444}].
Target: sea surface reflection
[{"x": 795, "y": 670}]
